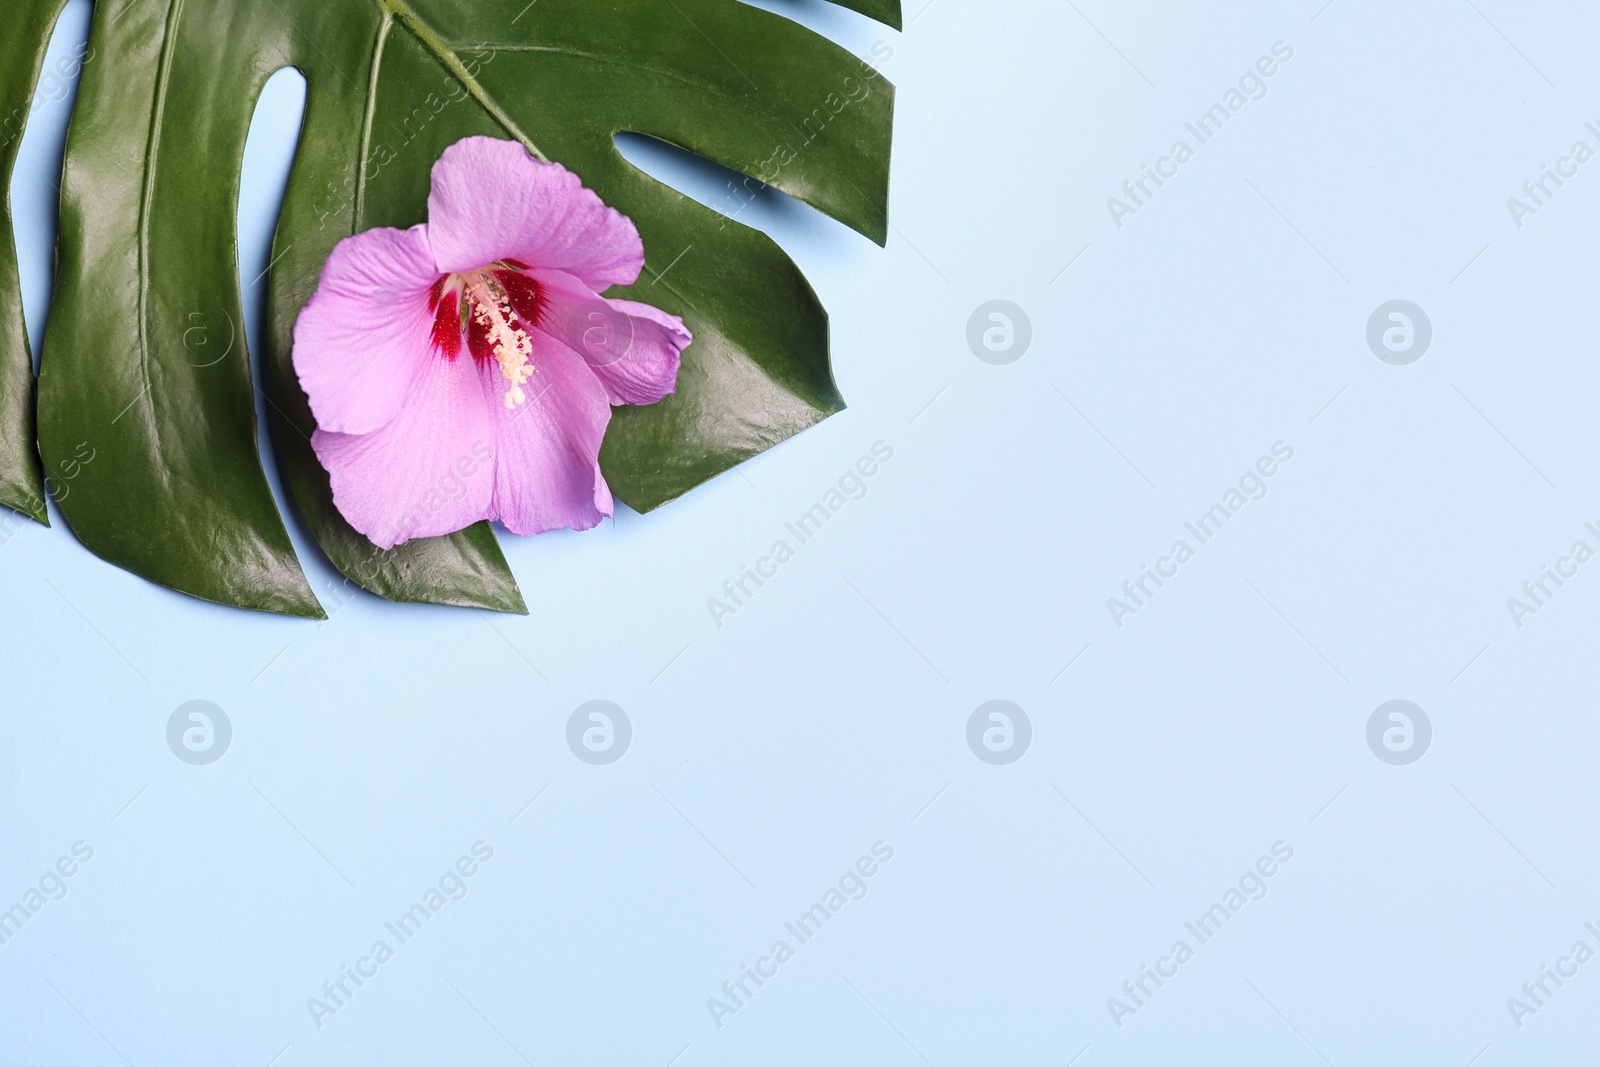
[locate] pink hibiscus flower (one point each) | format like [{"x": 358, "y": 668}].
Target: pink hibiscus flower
[{"x": 465, "y": 369}]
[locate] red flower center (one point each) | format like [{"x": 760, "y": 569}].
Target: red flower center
[{"x": 494, "y": 310}]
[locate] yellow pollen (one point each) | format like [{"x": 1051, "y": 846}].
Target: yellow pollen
[{"x": 510, "y": 343}]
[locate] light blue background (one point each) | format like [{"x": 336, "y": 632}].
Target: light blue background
[{"x": 829, "y": 713}]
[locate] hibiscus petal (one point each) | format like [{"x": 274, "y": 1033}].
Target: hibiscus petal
[
  {"x": 633, "y": 348},
  {"x": 429, "y": 471},
  {"x": 492, "y": 201},
  {"x": 547, "y": 449},
  {"x": 367, "y": 333}
]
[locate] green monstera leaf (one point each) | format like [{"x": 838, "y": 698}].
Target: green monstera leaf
[
  {"x": 148, "y": 260},
  {"x": 22, "y": 52}
]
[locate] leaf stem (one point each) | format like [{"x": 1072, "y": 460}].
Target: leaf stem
[{"x": 430, "y": 40}]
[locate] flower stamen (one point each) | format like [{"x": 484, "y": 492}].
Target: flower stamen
[{"x": 496, "y": 328}]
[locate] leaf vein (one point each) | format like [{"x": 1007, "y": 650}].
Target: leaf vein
[
  {"x": 366, "y": 119},
  {"x": 146, "y": 206}
]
